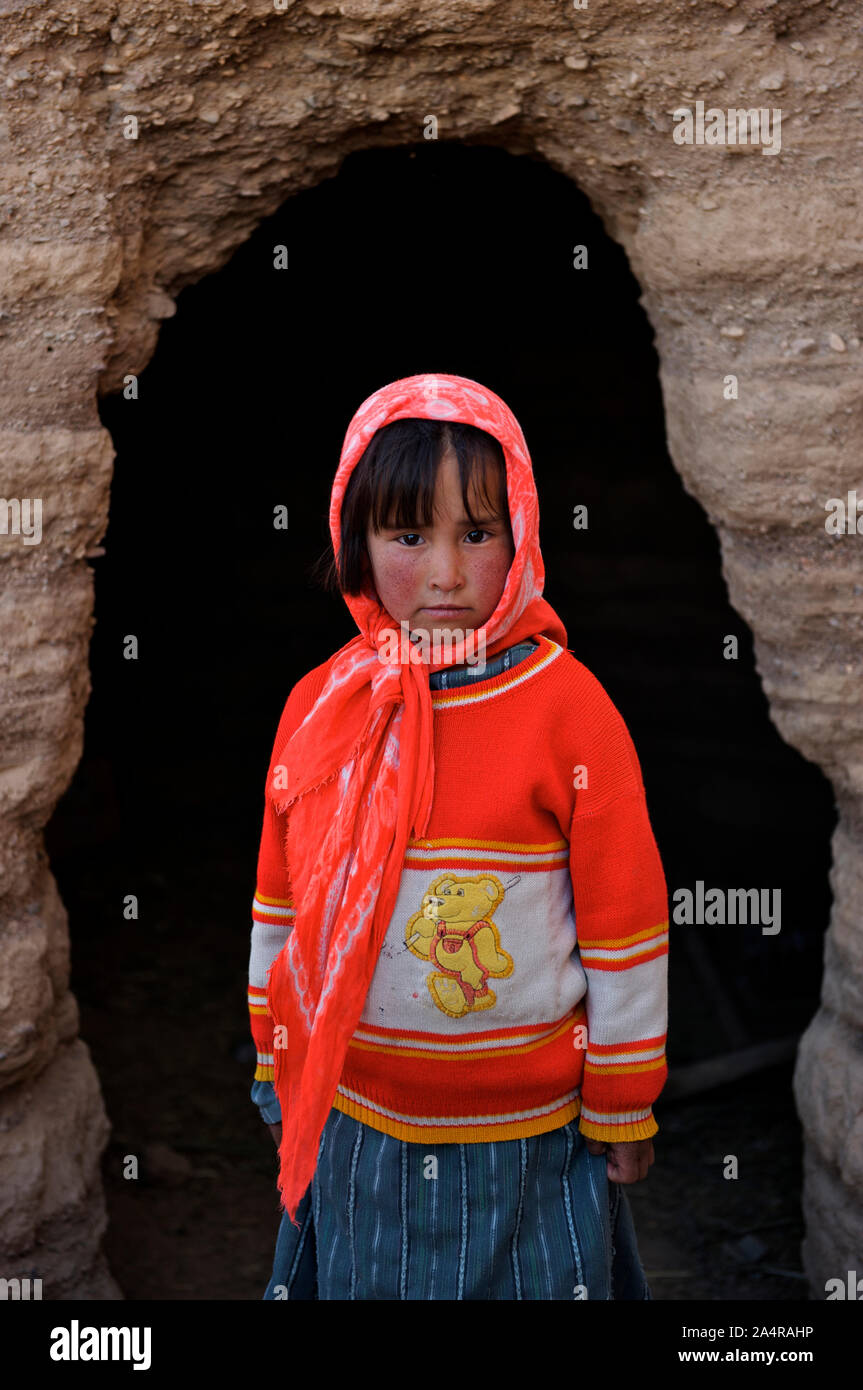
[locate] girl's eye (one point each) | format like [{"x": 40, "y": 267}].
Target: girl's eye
[{"x": 477, "y": 531}]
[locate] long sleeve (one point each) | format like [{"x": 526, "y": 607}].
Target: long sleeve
[
  {"x": 272, "y": 919},
  {"x": 621, "y": 917},
  {"x": 273, "y": 905}
]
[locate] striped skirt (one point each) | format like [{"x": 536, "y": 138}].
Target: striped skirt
[{"x": 514, "y": 1219}]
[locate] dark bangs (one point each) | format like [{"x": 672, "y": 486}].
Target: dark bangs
[{"x": 393, "y": 484}]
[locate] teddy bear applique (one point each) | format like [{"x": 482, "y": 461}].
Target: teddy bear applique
[{"x": 454, "y": 931}]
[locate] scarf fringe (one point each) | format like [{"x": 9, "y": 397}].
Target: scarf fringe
[{"x": 283, "y": 803}]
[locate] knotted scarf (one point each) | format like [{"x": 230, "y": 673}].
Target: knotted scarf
[{"x": 356, "y": 780}]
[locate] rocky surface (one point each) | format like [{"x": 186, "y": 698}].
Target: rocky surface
[{"x": 141, "y": 145}]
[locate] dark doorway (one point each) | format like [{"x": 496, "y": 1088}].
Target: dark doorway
[{"x": 435, "y": 258}]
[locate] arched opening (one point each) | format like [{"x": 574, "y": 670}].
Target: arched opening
[{"x": 437, "y": 257}]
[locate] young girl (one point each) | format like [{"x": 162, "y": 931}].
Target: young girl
[{"x": 457, "y": 979}]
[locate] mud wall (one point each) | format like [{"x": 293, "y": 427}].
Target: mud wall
[{"x": 141, "y": 145}]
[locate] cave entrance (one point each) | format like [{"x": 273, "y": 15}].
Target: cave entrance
[{"x": 440, "y": 257}]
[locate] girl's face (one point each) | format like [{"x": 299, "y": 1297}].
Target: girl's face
[{"x": 449, "y": 575}]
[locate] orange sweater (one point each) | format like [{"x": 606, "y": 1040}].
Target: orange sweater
[{"x": 522, "y": 978}]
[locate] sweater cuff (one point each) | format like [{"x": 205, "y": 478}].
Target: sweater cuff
[
  {"x": 264, "y": 1070},
  {"x": 622, "y": 1128},
  {"x": 262, "y": 1033}
]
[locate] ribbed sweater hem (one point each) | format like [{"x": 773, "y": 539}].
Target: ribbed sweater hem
[{"x": 478, "y": 1132}]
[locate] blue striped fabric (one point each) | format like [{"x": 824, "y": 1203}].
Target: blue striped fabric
[
  {"x": 450, "y": 677},
  {"x": 533, "y": 1219}
]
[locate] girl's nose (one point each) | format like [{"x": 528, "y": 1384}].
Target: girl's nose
[{"x": 445, "y": 570}]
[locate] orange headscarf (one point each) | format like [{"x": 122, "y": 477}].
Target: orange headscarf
[{"x": 357, "y": 779}]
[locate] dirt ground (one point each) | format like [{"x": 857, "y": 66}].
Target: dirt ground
[
  {"x": 212, "y": 1235},
  {"x": 163, "y": 1013}
]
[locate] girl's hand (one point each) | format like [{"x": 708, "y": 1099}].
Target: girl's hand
[
  {"x": 276, "y": 1131},
  {"x": 627, "y": 1162}
]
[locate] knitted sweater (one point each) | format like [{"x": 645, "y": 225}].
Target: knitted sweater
[{"x": 522, "y": 978}]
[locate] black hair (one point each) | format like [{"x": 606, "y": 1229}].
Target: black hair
[{"x": 393, "y": 484}]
